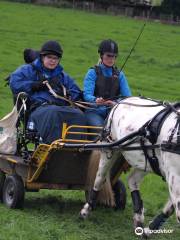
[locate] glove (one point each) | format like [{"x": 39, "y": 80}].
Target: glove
[
  {"x": 39, "y": 86},
  {"x": 54, "y": 82}
]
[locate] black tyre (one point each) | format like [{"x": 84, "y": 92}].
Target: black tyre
[
  {"x": 13, "y": 192},
  {"x": 2, "y": 180},
  {"x": 119, "y": 190}
]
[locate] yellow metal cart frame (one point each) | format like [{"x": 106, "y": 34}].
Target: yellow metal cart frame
[{"x": 49, "y": 167}]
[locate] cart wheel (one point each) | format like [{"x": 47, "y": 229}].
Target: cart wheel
[
  {"x": 119, "y": 190},
  {"x": 13, "y": 191},
  {"x": 2, "y": 179}
]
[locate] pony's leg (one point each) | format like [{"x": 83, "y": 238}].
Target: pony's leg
[
  {"x": 134, "y": 180},
  {"x": 106, "y": 162},
  {"x": 160, "y": 219}
]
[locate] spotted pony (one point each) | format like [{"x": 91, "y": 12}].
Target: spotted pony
[{"x": 129, "y": 116}]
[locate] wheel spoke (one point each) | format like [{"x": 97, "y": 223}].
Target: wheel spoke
[
  {"x": 13, "y": 191},
  {"x": 10, "y": 192}
]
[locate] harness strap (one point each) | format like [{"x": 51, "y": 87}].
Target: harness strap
[
  {"x": 178, "y": 134},
  {"x": 173, "y": 131},
  {"x": 153, "y": 160},
  {"x": 177, "y": 125},
  {"x": 144, "y": 151}
]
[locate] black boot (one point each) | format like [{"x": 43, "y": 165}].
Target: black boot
[{"x": 93, "y": 198}]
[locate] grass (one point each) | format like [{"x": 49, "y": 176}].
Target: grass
[{"x": 153, "y": 71}]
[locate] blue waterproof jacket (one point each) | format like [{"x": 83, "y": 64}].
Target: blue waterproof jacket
[
  {"x": 90, "y": 83},
  {"x": 23, "y": 78}
]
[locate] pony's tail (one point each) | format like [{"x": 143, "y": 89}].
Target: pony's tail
[{"x": 106, "y": 195}]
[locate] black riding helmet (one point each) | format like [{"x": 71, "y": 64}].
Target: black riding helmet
[
  {"x": 108, "y": 46},
  {"x": 51, "y": 47}
]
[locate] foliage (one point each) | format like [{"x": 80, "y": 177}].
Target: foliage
[
  {"x": 160, "y": 6},
  {"x": 171, "y": 7},
  {"x": 153, "y": 70}
]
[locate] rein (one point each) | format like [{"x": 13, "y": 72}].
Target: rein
[
  {"x": 89, "y": 105},
  {"x": 80, "y": 104},
  {"x": 142, "y": 105},
  {"x": 77, "y": 103}
]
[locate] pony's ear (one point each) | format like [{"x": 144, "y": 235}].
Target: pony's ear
[{"x": 30, "y": 55}]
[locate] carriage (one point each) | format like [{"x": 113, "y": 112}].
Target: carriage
[{"x": 38, "y": 166}]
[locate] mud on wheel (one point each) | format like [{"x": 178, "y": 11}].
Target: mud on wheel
[
  {"x": 13, "y": 191},
  {"x": 2, "y": 179}
]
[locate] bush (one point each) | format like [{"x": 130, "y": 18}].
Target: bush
[{"x": 171, "y": 7}]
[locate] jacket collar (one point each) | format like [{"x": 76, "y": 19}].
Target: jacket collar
[
  {"x": 104, "y": 67},
  {"x": 48, "y": 73}
]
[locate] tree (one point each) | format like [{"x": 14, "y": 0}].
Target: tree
[{"x": 171, "y": 7}]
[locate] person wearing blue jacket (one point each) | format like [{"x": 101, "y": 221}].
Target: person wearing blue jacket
[
  {"x": 47, "y": 113},
  {"x": 104, "y": 83}
]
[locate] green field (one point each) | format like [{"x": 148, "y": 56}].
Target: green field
[{"x": 153, "y": 71}]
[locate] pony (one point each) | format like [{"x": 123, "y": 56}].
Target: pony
[{"x": 151, "y": 130}]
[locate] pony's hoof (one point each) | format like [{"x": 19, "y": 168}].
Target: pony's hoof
[
  {"x": 138, "y": 225},
  {"x": 147, "y": 233},
  {"x": 84, "y": 213}
]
